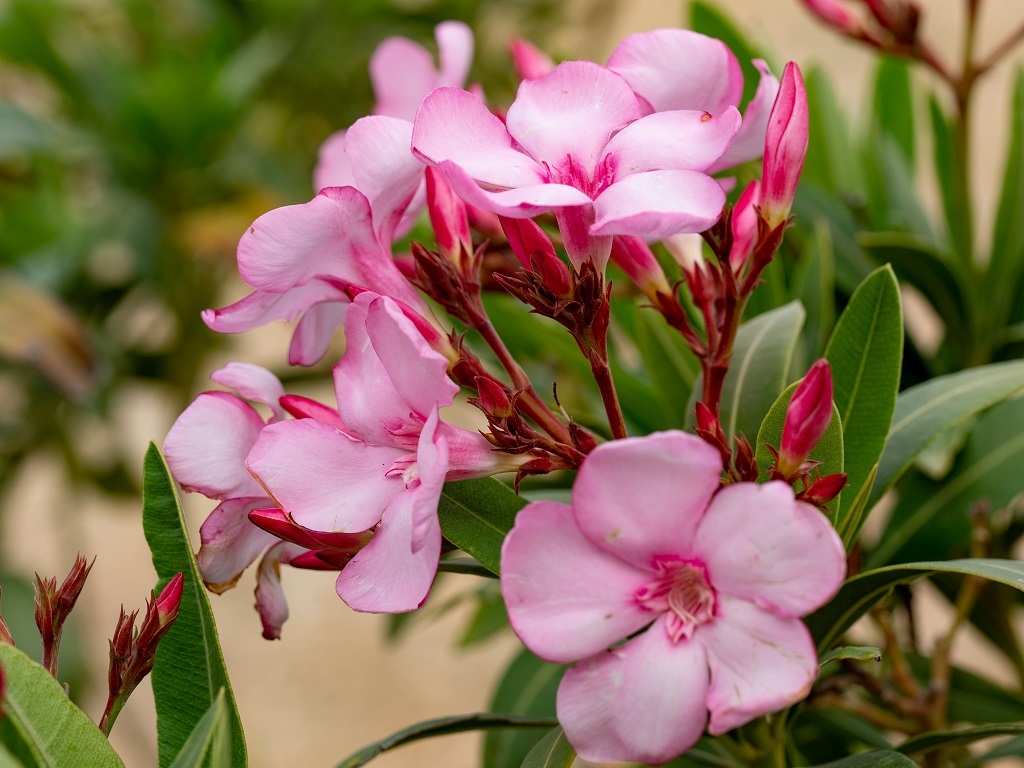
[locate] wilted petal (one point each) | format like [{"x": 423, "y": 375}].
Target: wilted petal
[
  {"x": 262, "y": 307},
  {"x": 524, "y": 202},
  {"x": 572, "y": 111},
  {"x": 657, "y": 204},
  {"x": 760, "y": 544},
  {"x": 749, "y": 141},
  {"x": 270, "y": 600},
  {"x": 333, "y": 165},
  {"x": 680, "y": 140},
  {"x": 641, "y": 702},
  {"x": 315, "y": 331},
  {"x": 566, "y": 598},
  {"x": 629, "y": 498},
  {"x": 455, "y": 49},
  {"x": 207, "y": 445},
  {"x": 760, "y": 663},
  {"x": 679, "y": 69},
  {"x": 254, "y": 383},
  {"x": 230, "y": 543},
  {"x": 455, "y": 125},
  {"x": 323, "y": 479}
]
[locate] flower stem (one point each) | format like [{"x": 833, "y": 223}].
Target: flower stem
[{"x": 603, "y": 376}]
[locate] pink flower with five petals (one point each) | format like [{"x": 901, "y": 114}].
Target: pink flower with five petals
[{"x": 706, "y": 587}]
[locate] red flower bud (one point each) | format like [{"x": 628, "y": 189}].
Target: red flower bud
[
  {"x": 169, "y": 601},
  {"x": 535, "y": 252},
  {"x": 785, "y": 147},
  {"x": 807, "y": 418},
  {"x": 448, "y": 217},
  {"x": 493, "y": 399},
  {"x": 824, "y": 489}
]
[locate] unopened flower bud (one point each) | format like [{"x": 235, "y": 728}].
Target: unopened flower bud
[
  {"x": 494, "y": 401},
  {"x": 807, "y": 418},
  {"x": 744, "y": 226},
  {"x": 529, "y": 61},
  {"x": 635, "y": 258},
  {"x": 824, "y": 489},
  {"x": 169, "y": 600},
  {"x": 785, "y": 147},
  {"x": 53, "y": 606},
  {"x": 536, "y": 253},
  {"x": 687, "y": 249},
  {"x": 835, "y": 14},
  {"x": 448, "y": 217}
]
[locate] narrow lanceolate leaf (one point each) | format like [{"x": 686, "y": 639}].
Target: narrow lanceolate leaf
[
  {"x": 189, "y": 671},
  {"x": 553, "y": 751},
  {"x": 859, "y": 594},
  {"x": 41, "y": 727},
  {"x": 925, "y": 411},
  {"x": 948, "y": 171},
  {"x": 852, "y": 652},
  {"x": 475, "y": 516},
  {"x": 528, "y": 688},
  {"x": 856, "y": 514},
  {"x": 442, "y": 726},
  {"x": 210, "y": 741},
  {"x": 957, "y": 738},
  {"x": 894, "y": 105},
  {"x": 865, "y": 352},
  {"x": 879, "y": 758},
  {"x": 1008, "y": 234},
  {"x": 829, "y": 450},
  {"x": 759, "y": 369}
]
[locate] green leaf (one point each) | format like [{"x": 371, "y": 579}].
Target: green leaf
[
  {"x": 759, "y": 369},
  {"x": 475, "y": 516},
  {"x": 673, "y": 368},
  {"x": 553, "y": 751},
  {"x": 442, "y": 726},
  {"x": 1008, "y": 233},
  {"x": 527, "y": 688},
  {"x": 710, "y": 21},
  {"x": 865, "y": 352},
  {"x": 956, "y": 738},
  {"x": 892, "y": 192},
  {"x": 815, "y": 289},
  {"x": 854, "y": 652},
  {"x": 879, "y": 758},
  {"x": 41, "y": 726},
  {"x": 893, "y": 111},
  {"x": 860, "y": 593},
  {"x": 929, "y": 409},
  {"x": 828, "y": 451},
  {"x": 853, "y": 520},
  {"x": 831, "y": 161},
  {"x": 189, "y": 671},
  {"x": 958, "y": 210},
  {"x": 210, "y": 741},
  {"x": 7, "y": 760}
]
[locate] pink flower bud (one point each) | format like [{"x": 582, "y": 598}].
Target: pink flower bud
[
  {"x": 635, "y": 258},
  {"x": 168, "y": 602},
  {"x": 493, "y": 398},
  {"x": 529, "y": 61},
  {"x": 448, "y": 217},
  {"x": 785, "y": 147},
  {"x": 835, "y": 14},
  {"x": 807, "y": 418},
  {"x": 744, "y": 226},
  {"x": 533, "y": 248}
]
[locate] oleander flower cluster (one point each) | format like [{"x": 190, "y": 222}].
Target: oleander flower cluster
[{"x": 676, "y": 579}]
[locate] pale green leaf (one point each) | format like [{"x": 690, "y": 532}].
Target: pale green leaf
[
  {"x": 553, "y": 751},
  {"x": 852, "y": 652},
  {"x": 210, "y": 741}
]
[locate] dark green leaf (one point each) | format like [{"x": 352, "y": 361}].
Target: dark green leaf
[
  {"x": 929, "y": 409},
  {"x": 856, "y": 513},
  {"x": 189, "y": 671},
  {"x": 708, "y": 20},
  {"x": 956, "y": 738},
  {"x": 948, "y": 171},
  {"x": 673, "y": 368},
  {"x": 210, "y": 741},
  {"x": 812, "y": 206},
  {"x": 892, "y": 192},
  {"x": 879, "y": 758},
  {"x": 475, "y": 516},
  {"x": 854, "y": 652},
  {"x": 861, "y": 592},
  {"x": 41, "y": 727},
  {"x": 527, "y": 688},
  {"x": 831, "y": 162},
  {"x": 815, "y": 289},
  {"x": 865, "y": 352},
  {"x": 553, "y": 751},
  {"x": 7, "y": 760},
  {"x": 1008, "y": 233},
  {"x": 442, "y": 726},
  {"x": 893, "y": 112}
]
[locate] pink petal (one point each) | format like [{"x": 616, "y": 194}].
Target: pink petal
[
  {"x": 566, "y": 598},
  {"x": 760, "y": 663},
  {"x": 315, "y": 332},
  {"x": 389, "y": 375},
  {"x": 333, "y": 165},
  {"x": 262, "y": 307},
  {"x": 679, "y": 69},
  {"x": 304, "y": 408},
  {"x": 230, "y": 542},
  {"x": 323, "y": 479},
  {"x": 641, "y": 702},
  {"x": 455, "y": 49},
  {"x": 524, "y": 202},
  {"x": 254, "y": 383},
  {"x": 642, "y": 497},
  {"x": 572, "y": 111},
  {"x": 657, "y": 204},
  {"x": 749, "y": 142},
  {"x": 680, "y": 140},
  {"x": 402, "y": 73},
  {"x": 384, "y": 169},
  {"x": 760, "y": 544},
  {"x": 431, "y": 470},
  {"x": 270, "y": 599},
  {"x": 207, "y": 445},
  {"x": 455, "y": 125}
]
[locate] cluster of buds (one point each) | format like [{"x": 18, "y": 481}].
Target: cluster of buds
[
  {"x": 132, "y": 653},
  {"x": 891, "y": 25},
  {"x": 54, "y": 605}
]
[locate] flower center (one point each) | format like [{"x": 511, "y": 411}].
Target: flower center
[
  {"x": 572, "y": 173},
  {"x": 681, "y": 590}
]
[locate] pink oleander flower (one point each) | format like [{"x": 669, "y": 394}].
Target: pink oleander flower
[
  {"x": 672, "y": 69},
  {"x": 785, "y": 147},
  {"x": 381, "y": 463},
  {"x": 576, "y": 141},
  {"x": 705, "y": 585},
  {"x": 298, "y": 258},
  {"x": 807, "y": 418}
]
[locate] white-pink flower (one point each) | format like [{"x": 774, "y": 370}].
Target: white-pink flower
[
  {"x": 576, "y": 141},
  {"x": 711, "y": 583}
]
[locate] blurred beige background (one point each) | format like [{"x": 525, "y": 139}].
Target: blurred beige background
[{"x": 331, "y": 684}]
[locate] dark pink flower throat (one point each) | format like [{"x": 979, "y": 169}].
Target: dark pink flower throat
[{"x": 680, "y": 589}]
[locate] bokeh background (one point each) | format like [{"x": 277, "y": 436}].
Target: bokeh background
[{"x": 138, "y": 139}]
